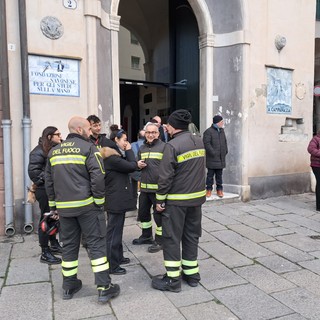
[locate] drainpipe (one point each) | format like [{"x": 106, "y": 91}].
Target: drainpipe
[
  {"x": 6, "y": 124},
  {"x": 26, "y": 121}
]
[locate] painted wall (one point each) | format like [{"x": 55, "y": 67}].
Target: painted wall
[
  {"x": 263, "y": 152},
  {"x": 280, "y": 160}
]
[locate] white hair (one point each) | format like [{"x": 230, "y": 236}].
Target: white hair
[{"x": 150, "y": 124}]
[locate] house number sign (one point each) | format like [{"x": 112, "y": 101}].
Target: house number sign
[{"x": 70, "y": 4}]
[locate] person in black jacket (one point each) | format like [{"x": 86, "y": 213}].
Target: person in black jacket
[
  {"x": 151, "y": 152},
  {"x": 180, "y": 195},
  {"x": 119, "y": 197},
  {"x": 98, "y": 138},
  {"x": 36, "y": 170},
  {"x": 75, "y": 187},
  {"x": 215, "y": 143}
]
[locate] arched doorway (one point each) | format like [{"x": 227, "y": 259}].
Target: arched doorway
[{"x": 169, "y": 37}]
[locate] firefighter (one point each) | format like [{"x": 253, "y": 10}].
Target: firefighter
[
  {"x": 75, "y": 188},
  {"x": 181, "y": 193},
  {"x": 151, "y": 152}
]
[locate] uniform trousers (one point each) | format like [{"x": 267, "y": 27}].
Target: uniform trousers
[
  {"x": 181, "y": 225},
  {"x": 114, "y": 238},
  {"x": 43, "y": 201},
  {"x": 147, "y": 200},
  {"x": 92, "y": 224}
]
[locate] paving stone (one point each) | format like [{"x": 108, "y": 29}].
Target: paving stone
[
  {"x": 315, "y": 217},
  {"x": 141, "y": 301},
  {"x": 288, "y": 252},
  {"x": 29, "y": 248},
  {"x": 313, "y": 265},
  {"x": 250, "y": 233},
  {"x": 31, "y": 301},
  {"x": 230, "y": 211},
  {"x": 277, "y": 231},
  {"x": 293, "y": 206},
  {"x": 301, "y": 301},
  {"x": 206, "y": 237},
  {"x": 266, "y": 216},
  {"x": 286, "y": 224},
  {"x": 189, "y": 295},
  {"x": 26, "y": 270},
  {"x": 293, "y": 316},
  {"x": 302, "y": 221},
  {"x": 305, "y": 231},
  {"x": 241, "y": 244},
  {"x": 210, "y": 310},
  {"x": 5, "y": 249},
  {"x": 315, "y": 254},
  {"x": 202, "y": 254},
  {"x": 269, "y": 208},
  {"x": 214, "y": 275},
  {"x": 305, "y": 279},
  {"x": 264, "y": 279},
  {"x": 278, "y": 264},
  {"x": 17, "y": 238},
  {"x": 245, "y": 207},
  {"x": 220, "y": 218},
  {"x": 225, "y": 254},
  {"x": 300, "y": 242},
  {"x": 254, "y": 222},
  {"x": 210, "y": 225},
  {"x": 249, "y": 303},
  {"x": 82, "y": 307}
]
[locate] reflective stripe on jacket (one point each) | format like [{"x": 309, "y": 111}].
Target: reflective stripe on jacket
[
  {"x": 152, "y": 154},
  {"x": 75, "y": 176},
  {"x": 182, "y": 171}
]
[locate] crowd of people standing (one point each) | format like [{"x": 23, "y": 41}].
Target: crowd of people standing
[{"x": 88, "y": 182}]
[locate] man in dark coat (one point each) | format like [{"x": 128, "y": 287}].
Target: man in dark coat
[{"x": 215, "y": 143}]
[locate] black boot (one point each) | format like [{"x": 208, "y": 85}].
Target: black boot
[
  {"x": 167, "y": 283},
  {"x": 155, "y": 247},
  {"x": 55, "y": 246},
  {"x": 105, "y": 293},
  {"x": 48, "y": 257},
  {"x": 68, "y": 294}
]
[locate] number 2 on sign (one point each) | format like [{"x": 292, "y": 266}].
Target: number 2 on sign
[{"x": 70, "y": 4}]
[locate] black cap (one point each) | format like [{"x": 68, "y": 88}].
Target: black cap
[
  {"x": 180, "y": 119},
  {"x": 217, "y": 118}
]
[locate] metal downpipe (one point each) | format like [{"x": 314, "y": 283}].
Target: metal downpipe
[
  {"x": 6, "y": 124},
  {"x": 28, "y": 221},
  {"x": 26, "y": 122},
  {"x": 7, "y": 159}
]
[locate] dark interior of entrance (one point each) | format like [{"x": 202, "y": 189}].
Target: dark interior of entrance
[{"x": 168, "y": 33}]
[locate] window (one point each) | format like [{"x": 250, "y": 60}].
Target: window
[
  {"x": 134, "y": 39},
  {"x": 318, "y": 11},
  {"x": 135, "y": 62}
]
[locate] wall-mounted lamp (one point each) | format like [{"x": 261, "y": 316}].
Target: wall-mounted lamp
[{"x": 280, "y": 42}]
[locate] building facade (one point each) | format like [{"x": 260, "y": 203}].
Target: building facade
[{"x": 248, "y": 60}]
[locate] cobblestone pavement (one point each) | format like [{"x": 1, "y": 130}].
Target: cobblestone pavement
[{"x": 258, "y": 260}]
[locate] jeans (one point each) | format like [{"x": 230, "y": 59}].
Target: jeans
[{"x": 218, "y": 176}]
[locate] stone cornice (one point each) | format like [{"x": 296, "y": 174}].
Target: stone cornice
[{"x": 224, "y": 39}]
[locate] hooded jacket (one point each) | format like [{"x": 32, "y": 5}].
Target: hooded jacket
[{"x": 314, "y": 150}]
